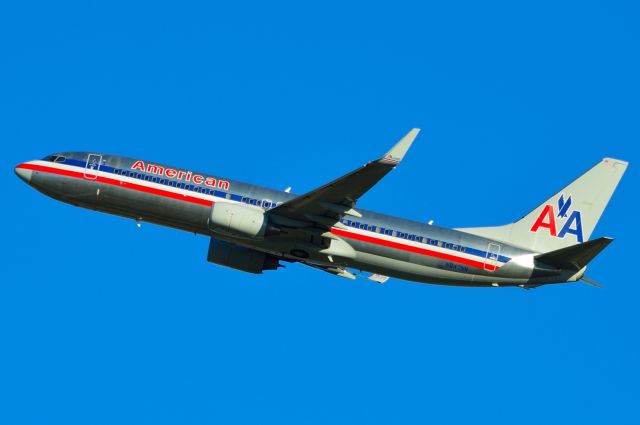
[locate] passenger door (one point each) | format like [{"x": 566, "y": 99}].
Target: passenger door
[
  {"x": 491, "y": 259},
  {"x": 92, "y": 167}
]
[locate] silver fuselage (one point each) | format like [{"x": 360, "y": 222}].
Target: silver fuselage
[{"x": 383, "y": 244}]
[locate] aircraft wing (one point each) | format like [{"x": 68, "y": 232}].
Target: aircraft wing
[{"x": 326, "y": 204}]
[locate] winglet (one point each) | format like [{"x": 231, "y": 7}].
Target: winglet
[{"x": 395, "y": 155}]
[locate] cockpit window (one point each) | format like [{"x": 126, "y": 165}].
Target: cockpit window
[{"x": 54, "y": 158}]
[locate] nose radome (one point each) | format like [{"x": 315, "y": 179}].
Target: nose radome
[{"x": 23, "y": 173}]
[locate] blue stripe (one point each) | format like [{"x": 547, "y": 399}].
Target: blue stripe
[{"x": 483, "y": 254}]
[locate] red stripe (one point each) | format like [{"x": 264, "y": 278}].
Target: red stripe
[
  {"x": 208, "y": 203},
  {"x": 119, "y": 183},
  {"x": 411, "y": 248}
]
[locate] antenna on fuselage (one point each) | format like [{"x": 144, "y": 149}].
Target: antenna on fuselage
[
  {"x": 139, "y": 222},
  {"x": 288, "y": 190},
  {"x": 430, "y": 222}
]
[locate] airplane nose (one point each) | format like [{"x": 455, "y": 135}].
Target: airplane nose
[{"x": 24, "y": 174}]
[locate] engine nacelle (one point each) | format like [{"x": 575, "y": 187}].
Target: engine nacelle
[
  {"x": 240, "y": 258},
  {"x": 237, "y": 220}
]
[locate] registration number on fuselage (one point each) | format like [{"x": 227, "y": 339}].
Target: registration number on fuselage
[{"x": 454, "y": 267}]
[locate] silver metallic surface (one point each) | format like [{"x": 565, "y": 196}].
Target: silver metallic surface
[{"x": 320, "y": 228}]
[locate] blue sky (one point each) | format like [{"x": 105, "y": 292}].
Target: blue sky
[{"x": 101, "y": 322}]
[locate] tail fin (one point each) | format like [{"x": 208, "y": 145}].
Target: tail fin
[{"x": 565, "y": 219}]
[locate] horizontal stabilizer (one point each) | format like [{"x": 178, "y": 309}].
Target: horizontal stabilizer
[
  {"x": 574, "y": 257},
  {"x": 591, "y": 282}
]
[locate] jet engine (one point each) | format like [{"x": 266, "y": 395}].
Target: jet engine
[
  {"x": 239, "y": 220},
  {"x": 240, "y": 258}
]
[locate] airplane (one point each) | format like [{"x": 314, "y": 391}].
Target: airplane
[{"x": 255, "y": 229}]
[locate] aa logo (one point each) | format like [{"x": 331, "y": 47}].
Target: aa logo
[{"x": 548, "y": 219}]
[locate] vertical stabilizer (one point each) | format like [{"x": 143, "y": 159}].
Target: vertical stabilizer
[{"x": 565, "y": 219}]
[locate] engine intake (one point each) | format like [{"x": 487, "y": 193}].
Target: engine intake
[
  {"x": 237, "y": 220},
  {"x": 240, "y": 258}
]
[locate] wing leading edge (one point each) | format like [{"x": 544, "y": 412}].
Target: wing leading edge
[{"x": 326, "y": 204}]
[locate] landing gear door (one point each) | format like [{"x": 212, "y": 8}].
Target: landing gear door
[
  {"x": 491, "y": 260},
  {"x": 92, "y": 167}
]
